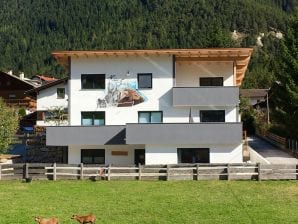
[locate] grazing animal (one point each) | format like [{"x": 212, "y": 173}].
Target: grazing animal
[
  {"x": 40, "y": 220},
  {"x": 84, "y": 219}
]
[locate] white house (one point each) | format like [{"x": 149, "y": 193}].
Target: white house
[
  {"x": 254, "y": 96},
  {"x": 153, "y": 106},
  {"x": 52, "y": 101}
]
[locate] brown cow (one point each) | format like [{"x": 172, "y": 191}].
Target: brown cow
[
  {"x": 84, "y": 219},
  {"x": 40, "y": 220}
]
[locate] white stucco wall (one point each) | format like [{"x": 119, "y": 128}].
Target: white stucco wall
[
  {"x": 157, "y": 154},
  {"x": 159, "y": 97},
  {"x": 189, "y": 73},
  {"x": 47, "y": 98},
  {"x": 74, "y": 153},
  {"x": 167, "y": 154}
]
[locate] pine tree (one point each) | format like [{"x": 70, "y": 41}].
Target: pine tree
[{"x": 285, "y": 90}]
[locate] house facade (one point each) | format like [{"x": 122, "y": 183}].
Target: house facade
[
  {"x": 152, "y": 106},
  {"x": 52, "y": 103}
]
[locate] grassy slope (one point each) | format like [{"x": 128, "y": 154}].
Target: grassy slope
[{"x": 152, "y": 202}]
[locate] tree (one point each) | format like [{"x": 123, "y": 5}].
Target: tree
[
  {"x": 9, "y": 121},
  {"x": 285, "y": 90}
]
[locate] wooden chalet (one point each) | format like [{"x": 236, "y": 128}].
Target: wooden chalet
[{"x": 12, "y": 90}]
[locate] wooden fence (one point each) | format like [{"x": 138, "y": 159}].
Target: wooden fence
[
  {"x": 37, "y": 171},
  {"x": 290, "y": 145},
  {"x": 276, "y": 138}
]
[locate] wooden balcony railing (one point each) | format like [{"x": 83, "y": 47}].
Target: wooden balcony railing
[{"x": 30, "y": 103}]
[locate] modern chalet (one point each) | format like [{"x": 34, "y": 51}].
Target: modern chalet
[{"x": 163, "y": 106}]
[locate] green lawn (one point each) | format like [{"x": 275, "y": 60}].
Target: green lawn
[{"x": 152, "y": 202}]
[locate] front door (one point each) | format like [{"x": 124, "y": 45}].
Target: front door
[{"x": 139, "y": 156}]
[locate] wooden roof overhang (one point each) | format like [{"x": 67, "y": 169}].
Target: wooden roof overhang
[{"x": 239, "y": 56}]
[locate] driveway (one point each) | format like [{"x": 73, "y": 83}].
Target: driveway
[{"x": 273, "y": 154}]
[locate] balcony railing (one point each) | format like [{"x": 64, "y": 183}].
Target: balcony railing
[
  {"x": 30, "y": 103},
  {"x": 184, "y": 133},
  {"x": 85, "y": 135},
  {"x": 206, "y": 96},
  {"x": 159, "y": 133}
]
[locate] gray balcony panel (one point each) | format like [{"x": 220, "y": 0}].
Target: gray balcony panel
[
  {"x": 85, "y": 135},
  {"x": 206, "y": 96},
  {"x": 184, "y": 133}
]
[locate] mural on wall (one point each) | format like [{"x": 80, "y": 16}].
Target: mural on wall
[{"x": 121, "y": 93}]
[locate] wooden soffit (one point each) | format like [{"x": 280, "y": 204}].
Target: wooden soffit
[{"x": 239, "y": 56}]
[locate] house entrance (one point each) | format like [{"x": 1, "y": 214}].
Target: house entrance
[{"x": 140, "y": 156}]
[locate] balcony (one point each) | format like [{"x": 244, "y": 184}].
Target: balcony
[
  {"x": 184, "y": 133},
  {"x": 85, "y": 135},
  {"x": 206, "y": 96},
  {"x": 26, "y": 102}
]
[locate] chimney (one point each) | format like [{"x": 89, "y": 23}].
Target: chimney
[
  {"x": 22, "y": 75},
  {"x": 9, "y": 72}
]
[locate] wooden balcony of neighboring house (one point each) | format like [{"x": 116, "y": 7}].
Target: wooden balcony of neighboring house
[{"x": 26, "y": 102}]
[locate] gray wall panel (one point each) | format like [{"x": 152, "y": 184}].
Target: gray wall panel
[
  {"x": 206, "y": 96},
  {"x": 85, "y": 135},
  {"x": 192, "y": 133}
]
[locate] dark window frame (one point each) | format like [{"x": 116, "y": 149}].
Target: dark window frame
[
  {"x": 60, "y": 97},
  {"x": 151, "y": 77},
  {"x": 191, "y": 152},
  {"x": 93, "y": 113},
  {"x": 158, "y": 111},
  {"x": 211, "y": 80},
  {"x": 206, "y": 111},
  {"x": 94, "y": 87},
  {"x": 100, "y": 151}
]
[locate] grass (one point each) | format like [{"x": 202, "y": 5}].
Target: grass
[{"x": 152, "y": 202}]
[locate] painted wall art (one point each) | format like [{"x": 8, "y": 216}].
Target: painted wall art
[{"x": 121, "y": 93}]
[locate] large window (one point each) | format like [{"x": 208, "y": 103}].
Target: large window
[
  {"x": 193, "y": 155},
  {"x": 60, "y": 93},
  {"x": 93, "y": 118},
  {"x": 211, "y": 81},
  {"x": 150, "y": 116},
  {"x": 145, "y": 80},
  {"x": 93, "y": 156},
  {"x": 212, "y": 116},
  {"x": 93, "y": 81}
]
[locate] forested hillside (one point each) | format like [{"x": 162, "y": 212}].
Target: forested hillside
[{"x": 31, "y": 29}]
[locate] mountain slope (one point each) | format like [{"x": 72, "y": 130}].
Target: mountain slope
[{"x": 31, "y": 30}]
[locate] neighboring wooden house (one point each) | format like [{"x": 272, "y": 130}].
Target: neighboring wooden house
[{"x": 13, "y": 88}]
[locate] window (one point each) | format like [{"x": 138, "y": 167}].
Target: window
[
  {"x": 212, "y": 81},
  {"x": 60, "y": 93},
  {"x": 93, "y": 118},
  {"x": 193, "y": 155},
  {"x": 212, "y": 115},
  {"x": 145, "y": 81},
  {"x": 93, "y": 156},
  {"x": 12, "y": 96},
  {"x": 150, "y": 117},
  {"x": 93, "y": 81}
]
